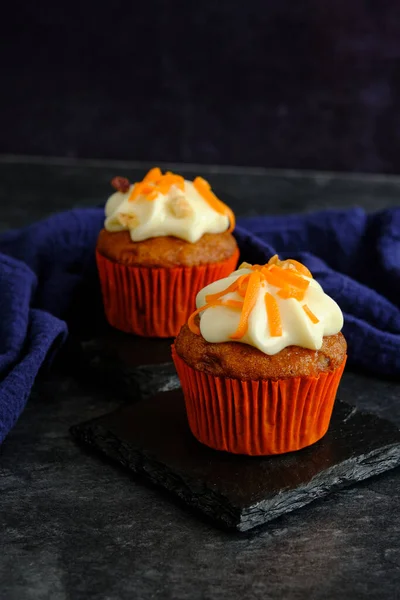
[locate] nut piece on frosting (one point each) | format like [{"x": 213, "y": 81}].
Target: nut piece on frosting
[
  {"x": 180, "y": 207},
  {"x": 128, "y": 220},
  {"x": 245, "y": 265}
]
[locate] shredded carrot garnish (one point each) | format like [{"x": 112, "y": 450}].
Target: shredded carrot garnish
[
  {"x": 153, "y": 175},
  {"x": 147, "y": 188},
  {"x": 291, "y": 278},
  {"x": 204, "y": 189},
  {"x": 200, "y": 183},
  {"x": 191, "y": 324},
  {"x": 273, "y": 315},
  {"x": 290, "y": 284},
  {"x": 229, "y": 303},
  {"x": 232, "y": 304},
  {"x": 210, "y": 298},
  {"x": 289, "y": 291},
  {"x": 155, "y": 183},
  {"x": 163, "y": 186},
  {"x": 232, "y": 220},
  {"x": 137, "y": 190},
  {"x": 274, "y": 277},
  {"x": 169, "y": 179},
  {"x": 310, "y": 314},
  {"x": 300, "y": 267},
  {"x": 243, "y": 286},
  {"x": 289, "y": 263},
  {"x": 253, "y": 287}
]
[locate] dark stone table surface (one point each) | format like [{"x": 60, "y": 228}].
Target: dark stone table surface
[{"x": 74, "y": 526}]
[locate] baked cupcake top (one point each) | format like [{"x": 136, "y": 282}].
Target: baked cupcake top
[
  {"x": 166, "y": 205},
  {"x": 270, "y": 307}
]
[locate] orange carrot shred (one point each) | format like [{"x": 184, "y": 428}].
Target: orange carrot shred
[
  {"x": 228, "y": 303},
  {"x": 289, "y": 283},
  {"x": 250, "y": 298},
  {"x": 231, "y": 288},
  {"x": 300, "y": 267},
  {"x": 147, "y": 188},
  {"x": 152, "y": 195},
  {"x": 289, "y": 291},
  {"x": 274, "y": 317},
  {"x": 291, "y": 263},
  {"x": 310, "y": 314},
  {"x": 274, "y": 277},
  {"x": 137, "y": 190},
  {"x": 191, "y": 324},
  {"x": 199, "y": 182},
  {"x": 232, "y": 221},
  {"x": 231, "y": 304},
  {"x": 154, "y": 182},
  {"x": 204, "y": 189},
  {"x": 243, "y": 286},
  {"x": 290, "y": 277},
  {"x": 153, "y": 175}
]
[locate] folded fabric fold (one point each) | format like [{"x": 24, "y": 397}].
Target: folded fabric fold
[
  {"x": 49, "y": 284},
  {"x": 27, "y": 336}
]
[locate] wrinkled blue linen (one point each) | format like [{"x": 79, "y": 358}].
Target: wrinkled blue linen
[{"x": 49, "y": 285}]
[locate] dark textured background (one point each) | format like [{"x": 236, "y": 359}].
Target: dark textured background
[
  {"x": 275, "y": 83},
  {"x": 74, "y": 527}
]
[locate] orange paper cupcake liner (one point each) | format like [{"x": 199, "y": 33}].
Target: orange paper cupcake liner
[
  {"x": 155, "y": 302},
  {"x": 257, "y": 418}
]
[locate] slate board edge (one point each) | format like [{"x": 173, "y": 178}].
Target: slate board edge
[
  {"x": 175, "y": 483},
  {"x": 376, "y": 461}
]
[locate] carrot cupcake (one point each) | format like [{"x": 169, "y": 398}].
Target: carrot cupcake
[
  {"x": 164, "y": 238},
  {"x": 260, "y": 360}
]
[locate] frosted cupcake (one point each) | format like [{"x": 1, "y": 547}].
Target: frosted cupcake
[
  {"x": 260, "y": 360},
  {"x": 164, "y": 238}
]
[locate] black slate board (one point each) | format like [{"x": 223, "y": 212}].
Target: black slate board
[
  {"x": 152, "y": 438},
  {"x": 135, "y": 365}
]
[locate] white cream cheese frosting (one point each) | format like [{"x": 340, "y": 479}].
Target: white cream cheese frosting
[
  {"x": 285, "y": 310},
  {"x": 167, "y": 205}
]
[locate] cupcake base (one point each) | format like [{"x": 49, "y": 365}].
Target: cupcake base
[
  {"x": 154, "y": 302},
  {"x": 257, "y": 418}
]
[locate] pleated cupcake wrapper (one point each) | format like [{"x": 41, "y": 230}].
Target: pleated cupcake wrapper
[
  {"x": 257, "y": 418},
  {"x": 155, "y": 302}
]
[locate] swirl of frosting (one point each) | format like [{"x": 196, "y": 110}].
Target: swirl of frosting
[
  {"x": 268, "y": 306},
  {"x": 162, "y": 205}
]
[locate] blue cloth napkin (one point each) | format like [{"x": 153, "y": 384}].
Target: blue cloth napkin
[{"x": 49, "y": 285}]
